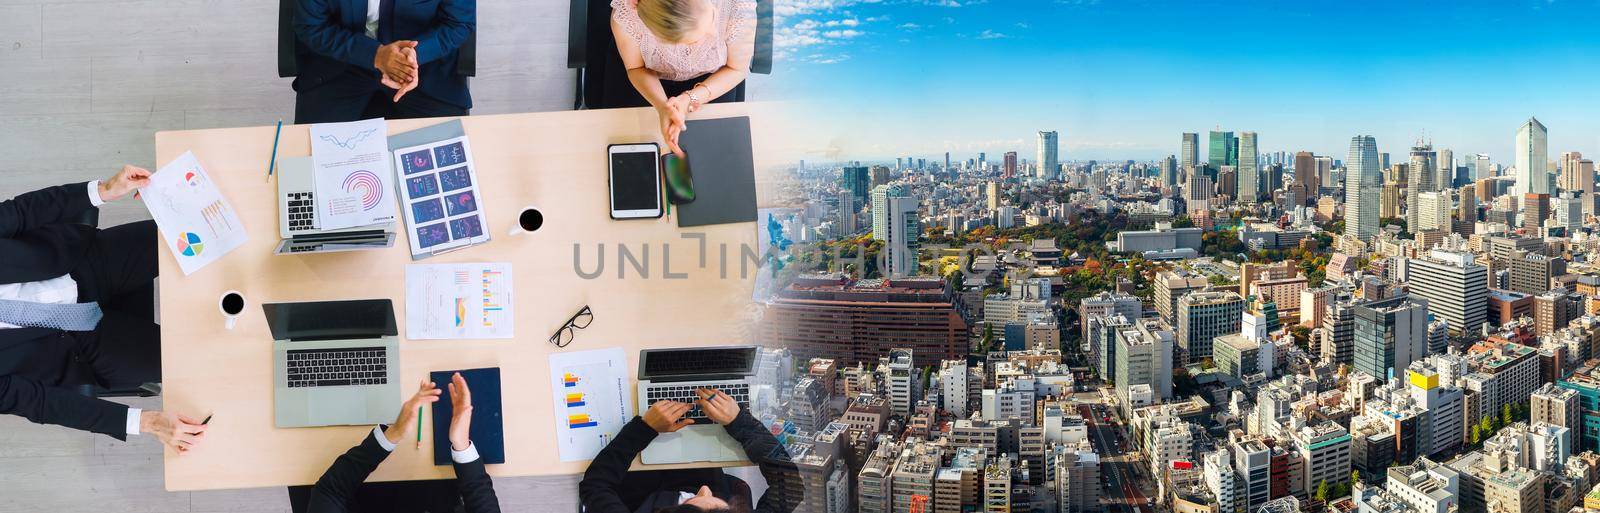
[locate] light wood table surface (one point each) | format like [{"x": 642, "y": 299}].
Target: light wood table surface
[{"x": 555, "y": 161}]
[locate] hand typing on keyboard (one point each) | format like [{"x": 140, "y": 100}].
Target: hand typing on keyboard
[
  {"x": 667, "y": 416},
  {"x": 717, "y": 405}
]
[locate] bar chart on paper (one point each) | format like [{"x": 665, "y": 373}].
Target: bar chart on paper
[
  {"x": 589, "y": 399},
  {"x": 459, "y": 301}
]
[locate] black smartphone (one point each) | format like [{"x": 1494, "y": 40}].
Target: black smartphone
[{"x": 680, "y": 181}]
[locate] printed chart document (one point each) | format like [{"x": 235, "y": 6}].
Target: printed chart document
[
  {"x": 459, "y": 301},
  {"x": 350, "y": 162},
  {"x": 440, "y": 186},
  {"x": 197, "y": 223},
  {"x": 591, "y": 405}
]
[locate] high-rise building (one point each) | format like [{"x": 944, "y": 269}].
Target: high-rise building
[
  {"x": 1577, "y": 173},
  {"x": 992, "y": 193},
  {"x": 1169, "y": 173},
  {"x": 1170, "y": 286},
  {"x": 1535, "y": 210},
  {"x": 1223, "y": 150},
  {"x": 1482, "y": 168},
  {"x": 900, "y": 250},
  {"x": 1455, "y": 285},
  {"x": 1049, "y": 146},
  {"x": 1432, "y": 212},
  {"x": 1557, "y": 406},
  {"x": 880, "y": 208},
  {"x": 1144, "y": 357},
  {"x": 903, "y": 381},
  {"x": 1420, "y": 177},
  {"x": 1533, "y": 154},
  {"x": 1204, "y": 316},
  {"x": 1531, "y": 272},
  {"x": 1249, "y": 169},
  {"x": 848, "y": 208},
  {"x": 857, "y": 180},
  {"x": 1305, "y": 177},
  {"x": 1362, "y": 183},
  {"x": 1389, "y": 335},
  {"x": 1445, "y": 166},
  {"x": 1008, "y": 166},
  {"x": 1191, "y": 146}
]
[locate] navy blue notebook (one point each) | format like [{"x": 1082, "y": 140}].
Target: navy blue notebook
[{"x": 488, "y": 425}]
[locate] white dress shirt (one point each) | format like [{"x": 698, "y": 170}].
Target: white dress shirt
[
  {"x": 58, "y": 291},
  {"x": 467, "y": 456},
  {"x": 372, "y": 18}
]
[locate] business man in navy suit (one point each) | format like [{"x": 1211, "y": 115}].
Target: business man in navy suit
[{"x": 361, "y": 59}]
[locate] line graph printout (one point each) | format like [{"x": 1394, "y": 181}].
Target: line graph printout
[
  {"x": 196, "y": 222},
  {"x": 589, "y": 400},
  {"x": 459, "y": 301},
  {"x": 352, "y": 173}
]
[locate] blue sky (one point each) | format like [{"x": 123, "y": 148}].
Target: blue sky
[{"x": 1122, "y": 78}]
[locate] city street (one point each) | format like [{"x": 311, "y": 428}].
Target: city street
[{"x": 1128, "y": 489}]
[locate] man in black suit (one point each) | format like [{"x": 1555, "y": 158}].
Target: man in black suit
[
  {"x": 608, "y": 487},
  {"x": 77, "y": 307},
  {"x": 338, "y": 491},
  {"x": 361, "y": 59}
]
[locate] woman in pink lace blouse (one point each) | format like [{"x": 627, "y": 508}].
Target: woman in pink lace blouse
[{"x": 681, "y": 54}]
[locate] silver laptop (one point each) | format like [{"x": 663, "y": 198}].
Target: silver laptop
[
  {"x": 674, "y": 375},
  {"x": 334, "y": 362},
  {"x": 297, "y": 217}
]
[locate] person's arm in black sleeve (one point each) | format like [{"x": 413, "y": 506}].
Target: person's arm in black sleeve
[
  {"x": 50, "y": 405},
  {"x": 340, "y": 482},
  {"x": 49, "y": 205},
  {"x": 770, "y": 456},
  {"x": 598, "y": 489},
  {"x": 473, "y": 482}
]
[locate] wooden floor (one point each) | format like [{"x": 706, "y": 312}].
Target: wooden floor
[{"x": 84, "y": 86}]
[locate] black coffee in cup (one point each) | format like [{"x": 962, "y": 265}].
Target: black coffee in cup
[
  {"x": 232, "y": 303},
  {"x": 530, "y": 219}
]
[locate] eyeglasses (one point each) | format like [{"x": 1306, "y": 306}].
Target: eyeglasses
[{"x": 581, "y": 320}]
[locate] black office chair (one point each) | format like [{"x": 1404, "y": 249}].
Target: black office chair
[
  {"x": 91, "y": 218},
  {"x": 432, "y": 496},
  {"x": 593, "y": 53},
  {"x": 466, "y": 60}
]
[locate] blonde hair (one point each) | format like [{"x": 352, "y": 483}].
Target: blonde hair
[{"x": 671, "y": 20}]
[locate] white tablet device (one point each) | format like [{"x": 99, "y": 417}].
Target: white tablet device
[{"x": 635, "y": 181}]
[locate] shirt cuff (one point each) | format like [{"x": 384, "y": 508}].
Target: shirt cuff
[
  {"x": 468, "y": 456},
  {"x": 133, "y": 413},
  {"x": 94, "y": 193},
  {"x": 383, "y": 441}
]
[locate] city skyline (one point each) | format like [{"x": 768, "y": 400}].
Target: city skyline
[{"x": 922, "y": 78}]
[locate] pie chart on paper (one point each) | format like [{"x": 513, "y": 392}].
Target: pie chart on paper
[{"x": 189, "y": 244}]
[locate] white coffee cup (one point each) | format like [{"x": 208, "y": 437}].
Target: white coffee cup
[
  {"x": 528, "y": 220},
  {"x": 231, "y": 300}
]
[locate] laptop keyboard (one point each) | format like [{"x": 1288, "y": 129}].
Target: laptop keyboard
[
  {"x": 301, "y": 212},
  {"x": 338, "y": 367},
  {"x": 740, "y": 392}
]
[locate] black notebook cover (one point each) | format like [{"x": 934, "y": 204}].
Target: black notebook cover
[
  {"x": 723, "y": 166},
  {"x": 488, "y": 425}
]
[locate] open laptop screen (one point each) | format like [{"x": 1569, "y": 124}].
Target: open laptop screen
[
  {"x": 697, "y": 362},
  {"x": 326, "y": 320}
]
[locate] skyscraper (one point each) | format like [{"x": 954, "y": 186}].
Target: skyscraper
[
  {"x": 880, "y": 209},
  {"x": 858, "y": 182},
  {"x": 1390, "y": 334},
  {"x": 1249, "y": 169},
  {"x": 1191, "y": 145},
  {"x": 1481, "y": 167},
  {"x": 1420, "y": 176},
  {"x": 1049, "y": 145},
  {"x": 1224, "y": 150},
  {"x": 1305, "y": 176},
  {"x": 1577, "y": 174},
  {"x": 1455, "y": 285},
  {"x": 1446, "y": 165},
  {"x": 1169, "y": 172},
  {"x": 1008, "y": 166},
  {"x": 1362, "y": 183},
  {"x": 900, "y": 248},
  {"x": 1533, "y": 154}
]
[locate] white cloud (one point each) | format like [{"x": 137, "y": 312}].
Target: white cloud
[
  {"x": 841, "y": 34},
  {"x": 1023, "y": 25},
  {"x": 847, "y": 22},
  {"x": 909, "y": 26},
  {"x": 990, "y": 34}
]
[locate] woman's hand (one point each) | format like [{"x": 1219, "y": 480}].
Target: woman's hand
[
  {"x": 673, "y": 115},
  {"x": 460, "y": 413}
]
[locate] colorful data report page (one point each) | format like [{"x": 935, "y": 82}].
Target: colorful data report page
[
  {"x": 459, "y": 301},
  {"x": 442, "y": 206}
]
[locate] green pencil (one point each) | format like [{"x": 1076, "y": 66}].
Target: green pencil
[{"x": 419, "y": 427}]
